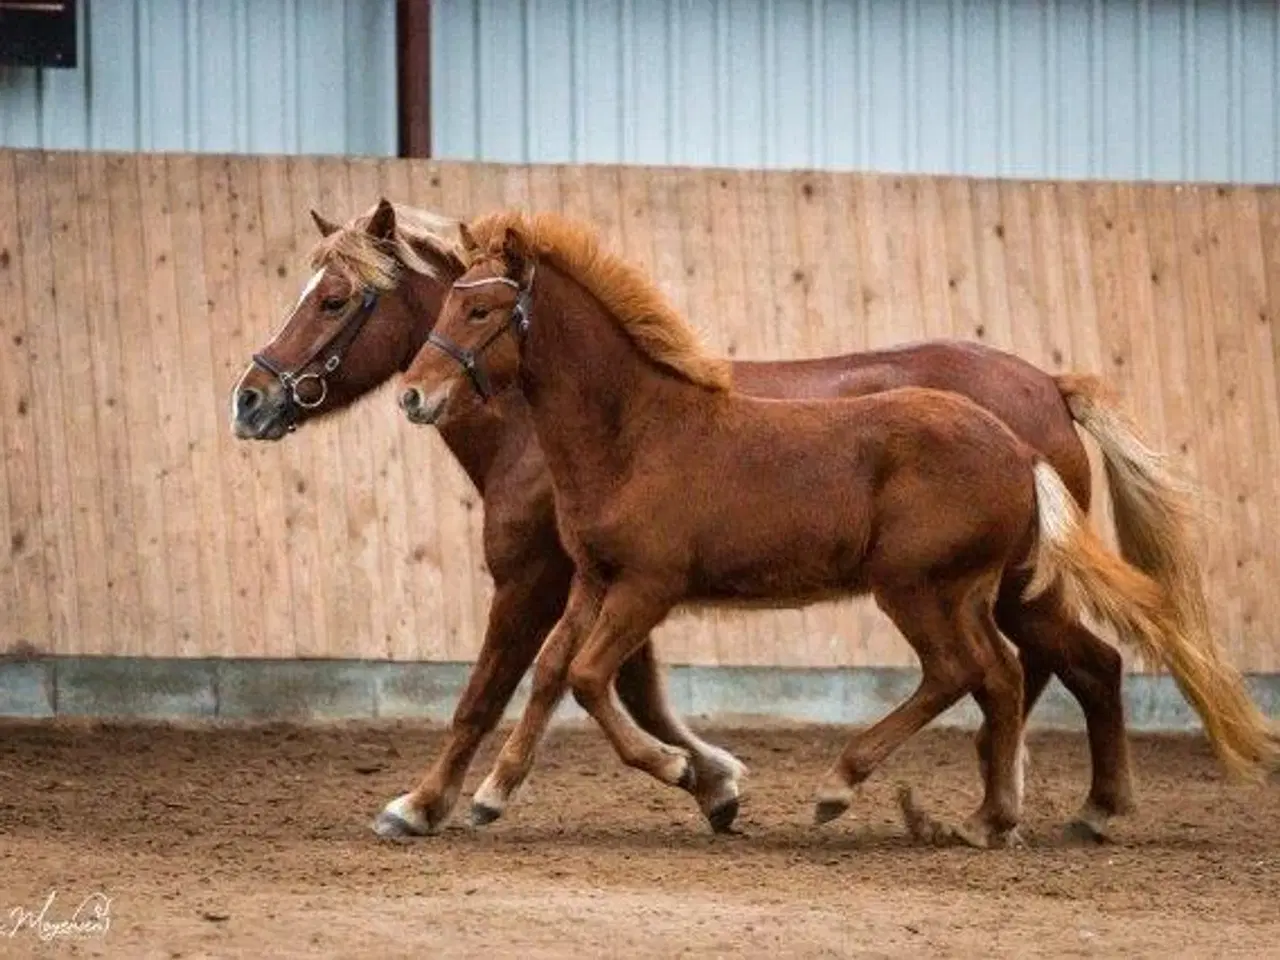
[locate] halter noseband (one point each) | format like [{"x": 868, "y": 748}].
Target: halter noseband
[
  {"x": 336, "y": 346},
  {"x": 469, "y": 360}
]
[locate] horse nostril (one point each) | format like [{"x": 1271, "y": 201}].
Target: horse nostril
[
  {"x": 411, "y": 400},
  {"x": 247, "y": 400}
]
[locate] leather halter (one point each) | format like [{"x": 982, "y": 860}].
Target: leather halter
[
  {"x": 469, "y": 360},
  {"x": 335, "y": 346}
]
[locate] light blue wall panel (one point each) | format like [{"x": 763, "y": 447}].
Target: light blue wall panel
[
  {"x": 241, "y": 76},
  {"x": 1130, "y": 89}
]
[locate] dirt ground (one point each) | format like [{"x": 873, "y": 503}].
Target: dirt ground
[{"x": 255, "y": 842}]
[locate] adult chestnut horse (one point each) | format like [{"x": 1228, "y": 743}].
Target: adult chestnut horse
[
  {"x": 672, "y": 488},
  {"x": 336, "y": 345}
]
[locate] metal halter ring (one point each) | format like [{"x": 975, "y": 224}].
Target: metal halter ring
[{"x": 292, "y": 382}]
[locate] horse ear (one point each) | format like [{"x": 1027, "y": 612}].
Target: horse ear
[
  {"x": 469, "y": 242},
  {"x": 383, "y": 222},
  {"x": 518, "y": 255},
  {"x": 325, "y": 227}
]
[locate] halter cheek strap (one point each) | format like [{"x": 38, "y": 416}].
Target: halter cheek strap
[
  {"x": 336, "y": 346},
  {"x": 469, "y": 360}
]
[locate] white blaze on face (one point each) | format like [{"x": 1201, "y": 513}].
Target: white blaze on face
[{"x": 306, "y": 292}]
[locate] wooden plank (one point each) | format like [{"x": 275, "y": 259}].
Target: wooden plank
[
  {"x": 898, "y": 205},
  {"x": 635, "y": 222},
  {"x": 996, "y": 327},
  {"x": 120, "y": 558},
  {"x": 196, "y": 423},
  {"x": 845, "y": 234},
  {"x": 821, "y": 320},
  {"x": 40, "y": 285},
  {"x": 877, "y": 283},
  {"x": 159, "y": 323},
  {"x": 229, "y": 329},
  {"x": 80, "y": 405},
  {"x": 1081, "y": 300},
  {"x": 931, "y": 228},
  {"x": 544, "y": 187},
  {"x": 1268, "y": 333},
  {"x": 517, "y": 191},
  {"x": 31, "y": 622},
  {"x": 1028, "y": 337},
  {"x": 968, "y": 322},
  {"x": 1200, "y": 310},
  {"x": 1135, "y": 260},
  {"x": 604, "y": 193},
  {"x": 1242, "y": 464},
  {"x": 1169, "y": 331},
  {"x": 1259, "y": 511},
  {"x": 1050, "y": 280}
]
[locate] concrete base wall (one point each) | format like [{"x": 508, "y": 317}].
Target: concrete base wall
[{"x": 340, "y": 689}]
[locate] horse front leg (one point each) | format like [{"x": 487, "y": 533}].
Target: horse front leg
[
  {"x": 524, "y": 610},
  {"x": 515, "y": 760},
  {"x": 642, "y": 690},
  {"x": 628, "y": 612}
]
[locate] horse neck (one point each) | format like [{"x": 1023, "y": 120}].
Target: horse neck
[{"x": 591, "y": 392}]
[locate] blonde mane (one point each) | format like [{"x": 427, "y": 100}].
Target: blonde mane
[
  {"x": 365, "y": 261},
  {"x": 641, "y": 310}
]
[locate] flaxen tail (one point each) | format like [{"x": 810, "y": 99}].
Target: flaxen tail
[
  {"x": 1143, "y": 613},
  {"x": 1153, "y": 509}
]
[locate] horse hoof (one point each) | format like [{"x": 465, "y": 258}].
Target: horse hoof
[
  {"x": 824, "y": 811},
  {"x": 1083, "y": 831},
  {"x": 399, "y": 819},
  {"x": 722, "y": 816},
  {"x": 482, "y": 814},
  {"x": 390, "y": 827}
]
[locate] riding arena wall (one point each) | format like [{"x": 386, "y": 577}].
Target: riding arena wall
[{"x": 135, "y": 286}]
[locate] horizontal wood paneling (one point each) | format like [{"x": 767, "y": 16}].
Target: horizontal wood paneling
[{"x": 135, "y": 288}]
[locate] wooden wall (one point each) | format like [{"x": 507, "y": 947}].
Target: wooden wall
[{"x": 133, "y": 289}]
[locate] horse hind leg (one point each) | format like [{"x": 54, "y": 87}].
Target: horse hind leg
[
  {"x": 717, "y": 772},
  {"x": 998, "y": 692},
  {"x": 950, "y": 668},
  {"x": 1092, "y": 671}
]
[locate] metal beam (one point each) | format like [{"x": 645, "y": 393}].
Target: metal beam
[{"x": 413, "y": 77}]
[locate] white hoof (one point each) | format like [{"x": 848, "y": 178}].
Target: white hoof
[{"x": 400, "y": 818}]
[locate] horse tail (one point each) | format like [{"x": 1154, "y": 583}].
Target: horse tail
[
  {"x": 1152, "y": 506},
  {"x": 1140, "y": 609}
]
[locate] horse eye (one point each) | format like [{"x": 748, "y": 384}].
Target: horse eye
[
  {"x": 479, "y": 313},
  {"x": 333, "y": 304}
]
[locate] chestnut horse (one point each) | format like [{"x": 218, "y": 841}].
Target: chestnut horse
[
  {"x": 335, "y": 346},
  {"x": 672, "y": 488}
]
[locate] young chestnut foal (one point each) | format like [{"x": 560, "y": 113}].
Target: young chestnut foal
[{"x": 672, "y": 488}]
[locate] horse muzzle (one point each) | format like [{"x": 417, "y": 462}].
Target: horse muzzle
[
  {"x": 424, "y": 409},
  {"x": 257, "y": 415}
]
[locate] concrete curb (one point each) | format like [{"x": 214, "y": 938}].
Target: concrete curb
[{"x": 348, "y": 689}]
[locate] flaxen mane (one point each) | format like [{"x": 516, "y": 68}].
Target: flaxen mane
[
  {"x": 640, "y": 308},
  {"x": 364, "y": 261}
]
